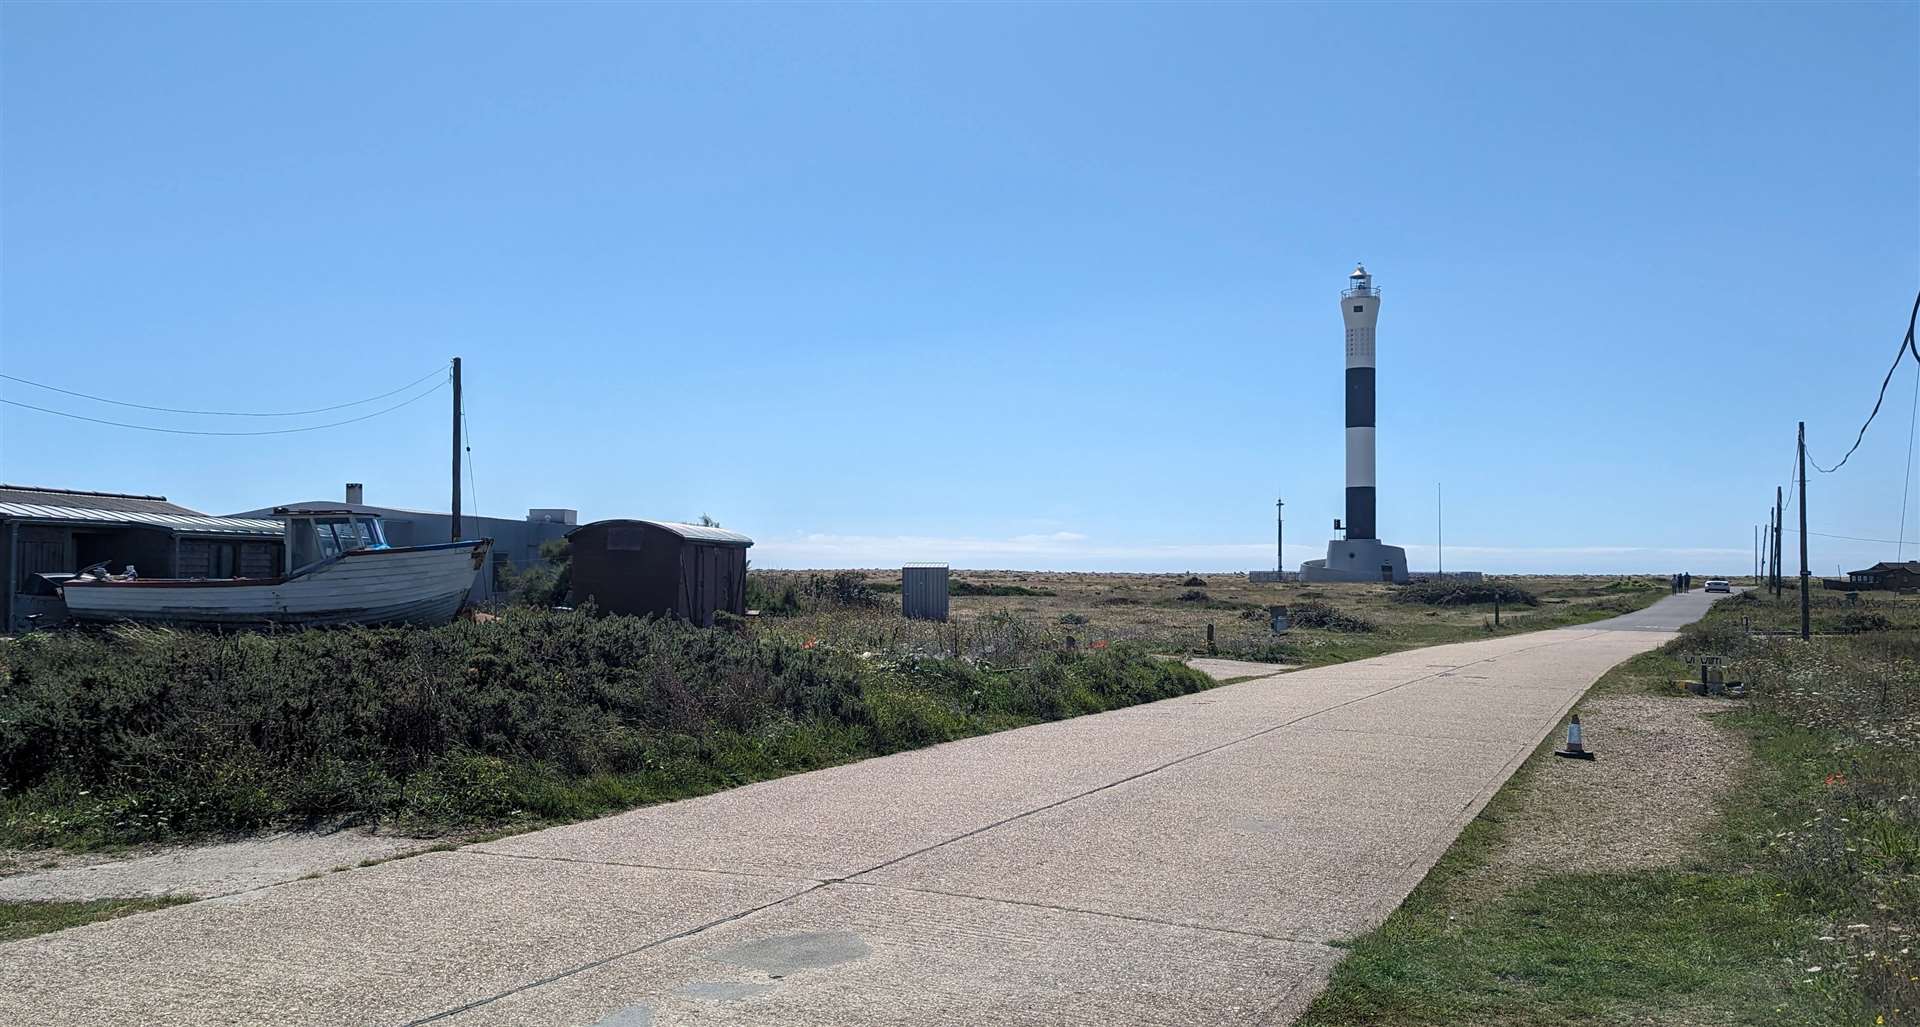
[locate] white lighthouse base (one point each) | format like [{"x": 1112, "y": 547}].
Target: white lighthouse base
[{"x": 1358, "y": 559}]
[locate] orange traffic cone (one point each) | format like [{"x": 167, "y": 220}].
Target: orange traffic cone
[{"x": 1574, "y": 750}]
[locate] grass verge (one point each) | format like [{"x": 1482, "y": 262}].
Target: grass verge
[
  {"x": 25, "y": 919},
  {"x": 1799, "y": 907}
]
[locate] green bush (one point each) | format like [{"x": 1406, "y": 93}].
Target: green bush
[
  {"x": 1448, "y": 592},
  {"x": 140, "y": 734},
  {"x": 1320, "y": 615},
  {"x": 959, "y": 587},
  {"x": 1854, "y": 622},
  {"x": 772, "y": 598},
  {"x": 545, "y": 584}
]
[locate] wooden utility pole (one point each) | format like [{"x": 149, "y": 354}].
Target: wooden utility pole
[
  {"x": 1806, "y": 614},
  {"x": 456, "y": 449},
  {"x": 1778, "y": 578}
]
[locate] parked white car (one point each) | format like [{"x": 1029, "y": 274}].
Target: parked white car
[{"x": 1717, "y": 585}]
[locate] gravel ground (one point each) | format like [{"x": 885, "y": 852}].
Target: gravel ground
[
  {"x": 203, "y": 871},
  {"x": 1663, "y": 766}
]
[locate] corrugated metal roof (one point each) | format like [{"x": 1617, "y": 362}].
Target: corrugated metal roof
[
  {"x": 187, "y": 523},
  {"x": 702, "y": 533},
  {"x": 78, "y": 499},
  {"x": 924, "y": 566},
  {"x": 695, "y": 532}
]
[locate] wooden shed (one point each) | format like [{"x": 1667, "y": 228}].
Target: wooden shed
[{"x": 660, "y": 568}]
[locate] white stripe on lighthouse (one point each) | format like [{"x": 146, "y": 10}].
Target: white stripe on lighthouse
[{"x": 1359, "y": 457}]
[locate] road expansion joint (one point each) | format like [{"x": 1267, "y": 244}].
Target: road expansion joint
[
  {"x": 1190, "y": 757},
  {"x": 614, "y": 957},
  {"x": 1081, "y": 910},
  {"x": 543, "y": 858}
]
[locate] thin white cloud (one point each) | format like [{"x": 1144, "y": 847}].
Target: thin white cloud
[{"x": 1071, "y": 550}]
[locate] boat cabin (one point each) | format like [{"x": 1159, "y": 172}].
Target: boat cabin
[{"x": 317, "y": 536}]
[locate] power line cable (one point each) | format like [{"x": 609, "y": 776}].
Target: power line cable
[
  {"x": 466, "y": 436},
  {"x": 220, "y": 413},
  {"x": 184, "y": 431},
  {"x": 1906, "y": 345},
  {"x": 1906, "y": 481},
  {"x": 1849, "y": 538}
]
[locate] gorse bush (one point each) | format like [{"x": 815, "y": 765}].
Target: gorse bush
[
  {"x": 137, "y": 734},
  {"x": 962, "y": 587},
  {"x": 1446, "y": 592},
  {"x": 1320, "y": 615},
  {"x": 546, "y": 583}
]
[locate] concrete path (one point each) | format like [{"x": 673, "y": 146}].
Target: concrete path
[
  {"x": 1184, "y": 862},
  {"x": 204, "y": 871}
]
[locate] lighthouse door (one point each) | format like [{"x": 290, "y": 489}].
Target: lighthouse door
[{"x": 1386, "y": 573}]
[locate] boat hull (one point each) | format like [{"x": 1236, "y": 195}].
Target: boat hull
[{"x": 415, "y": 585}]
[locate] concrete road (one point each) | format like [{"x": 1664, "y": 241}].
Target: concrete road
[{"x": 1184, "y": 862}]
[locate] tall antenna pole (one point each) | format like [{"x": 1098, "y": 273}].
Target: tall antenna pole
[
  {"x": 1439, "y": 531},
  {"x": 1806, "y": 614},
  {"x": 456, "y": 449},
  {"x": 1279, "y": 538}
]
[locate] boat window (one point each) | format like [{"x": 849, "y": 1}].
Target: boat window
[
  {"x": 306, "y": 543},
  {"x": 376, "y": 534},
  {"x": 349, "y": 533},
  {"x": 329, "y": 544}
]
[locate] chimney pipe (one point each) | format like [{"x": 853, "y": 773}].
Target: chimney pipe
[{"x": 356, "y": 492}]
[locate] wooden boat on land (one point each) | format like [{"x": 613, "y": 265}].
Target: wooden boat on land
[{"x": 338, "y": 570}]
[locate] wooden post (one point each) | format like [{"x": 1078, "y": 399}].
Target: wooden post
[
  {"x": 456, "y": 449},
  {"x": 1210, "y": 647},
  {"x": 1779, "y": 580},
  {"x": 1806, "y": 616}
]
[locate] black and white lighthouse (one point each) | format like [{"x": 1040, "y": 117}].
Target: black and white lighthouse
[
  {"x": 1360, "y": 308},
  {"x": 1359, "y": 556}
]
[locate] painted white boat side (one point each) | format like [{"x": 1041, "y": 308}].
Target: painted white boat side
[{"x": 376, "y": 586}]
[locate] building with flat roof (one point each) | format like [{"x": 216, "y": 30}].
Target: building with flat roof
[{"x": 47, "y": 534}]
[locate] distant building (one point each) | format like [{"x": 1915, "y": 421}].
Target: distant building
[
  {"x": 1270, "y": 577},
  {"x": 516, "y": 543},
  {"x": 49, "y": 531},
  {"x": 1883, "y": 575},
  {"x": 1451, "y": 575}
]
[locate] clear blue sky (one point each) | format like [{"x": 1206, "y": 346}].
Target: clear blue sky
[{"x": 1009, "y": 286}]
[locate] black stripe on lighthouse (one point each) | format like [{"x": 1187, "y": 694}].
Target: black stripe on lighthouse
[
  {"x": 1360, "y": 414},
  {"x": 1359, "y": 397}
]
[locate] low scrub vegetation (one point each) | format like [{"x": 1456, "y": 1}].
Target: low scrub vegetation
[
  {"x": 1450, "y": 592},
  {"x": 140, "y": 734},
  {"x": 962, "y": 587},
  {"x": 1320, "y": 615}
]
